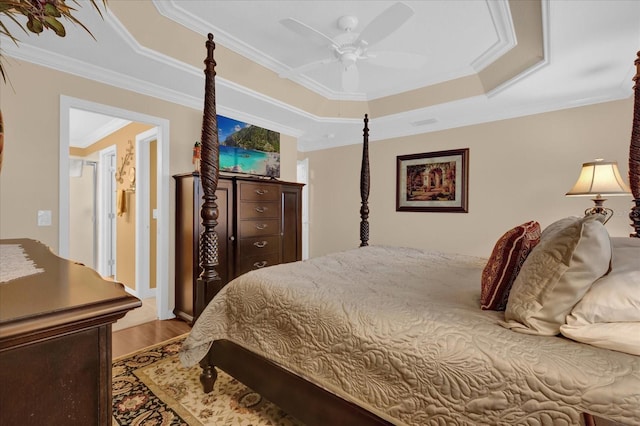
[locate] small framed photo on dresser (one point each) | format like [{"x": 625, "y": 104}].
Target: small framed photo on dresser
[{"x": 433, "y": 181}]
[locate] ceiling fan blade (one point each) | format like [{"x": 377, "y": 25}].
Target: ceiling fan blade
[
  {"x": 306, "y": 31},
  {"x": 306, "y": 67},
  {"x": 396, "y": 59},
  {"x": 350, "y": 78},
  {"x": 386, "y": 23}
]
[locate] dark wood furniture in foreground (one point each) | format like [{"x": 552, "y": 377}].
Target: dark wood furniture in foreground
[
  {"x": 300, "y": 398},
  {"x": 55, "y": 342},
  {"x": 259, "y": 225}
]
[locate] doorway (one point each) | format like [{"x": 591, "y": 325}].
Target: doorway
[
  {"x": 163, "y": 304},
  {"x": 146, "y": 213},
  {"x": 83, "y": 191}
]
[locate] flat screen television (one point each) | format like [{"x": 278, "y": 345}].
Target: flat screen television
[{"x": 248, "y": 149}]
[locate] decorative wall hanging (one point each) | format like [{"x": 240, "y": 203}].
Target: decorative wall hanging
[
  {"x": 433, "y": 181},
  {"x": 126, "y": 170}
]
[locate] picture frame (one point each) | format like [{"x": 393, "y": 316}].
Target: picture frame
[{"x": 433, "y": 181}]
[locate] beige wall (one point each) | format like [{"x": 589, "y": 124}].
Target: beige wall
[
  {"x": 31, "y": 113},
  {"x": 519, "y": 170}
]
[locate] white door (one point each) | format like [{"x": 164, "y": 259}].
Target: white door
[
  {"x": 82, "y": 212},
  {"x": 107, "y": 213}
]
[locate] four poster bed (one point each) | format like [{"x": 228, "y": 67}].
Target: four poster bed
[{"x": 388, "y": 335}]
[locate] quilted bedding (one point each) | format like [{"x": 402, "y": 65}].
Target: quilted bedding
[{"x": 399, "y": 331}]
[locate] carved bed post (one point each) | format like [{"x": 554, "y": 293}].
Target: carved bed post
[
  {"x": 209, "y": 278},
  {"x": 634, "y": 154},
  {"x": 364, "y": 186}
]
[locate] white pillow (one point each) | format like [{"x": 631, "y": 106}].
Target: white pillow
[
  {"x": 572, "y": 254},
  {"x": 608, "y": 316}
]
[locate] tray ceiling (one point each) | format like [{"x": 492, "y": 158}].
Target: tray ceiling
[{"x": 480, "y": 60}]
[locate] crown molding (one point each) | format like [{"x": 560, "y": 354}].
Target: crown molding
[
  {"x": 546, "y": 48},
  {"x": 503, "y": 24},
  {"x": 499, "y": 11},
  {"x": 171, "y": 9},
  {"x": 470, "y": 111}
]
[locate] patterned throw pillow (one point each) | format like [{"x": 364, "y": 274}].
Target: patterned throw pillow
[
  {"x": 572, "y": 254},
  {"x": 505, "y": 262}
]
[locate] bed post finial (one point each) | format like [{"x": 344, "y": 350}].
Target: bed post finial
[
  {"x": 364, "y": 186},
  {"x": 634, "y": 154},
  {"x": 209, "y": 279}
]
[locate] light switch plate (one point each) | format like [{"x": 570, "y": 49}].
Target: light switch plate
[{"x": 44, "y": 217}]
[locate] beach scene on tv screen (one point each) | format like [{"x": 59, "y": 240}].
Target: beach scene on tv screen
[{"x": 245, "y": 148}]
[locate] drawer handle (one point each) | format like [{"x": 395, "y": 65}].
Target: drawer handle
[
  {"x": 261, "y": 226},
  {"x": 261, "y": 209},
  {"x": 260, "y": 244},
  {"x": 260, "y": 264},
  {"x": 261, "y": 191}
]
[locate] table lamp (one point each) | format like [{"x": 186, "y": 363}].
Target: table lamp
[{"x": 599, "y": 178}]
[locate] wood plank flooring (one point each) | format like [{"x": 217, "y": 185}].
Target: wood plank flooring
[{"x": 124, "y": 342}]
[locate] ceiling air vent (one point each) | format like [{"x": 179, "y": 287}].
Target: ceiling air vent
[{"x": 424, "y": 122}]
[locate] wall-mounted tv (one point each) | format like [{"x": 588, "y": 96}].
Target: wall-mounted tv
[{"x": 248, "y": 149}]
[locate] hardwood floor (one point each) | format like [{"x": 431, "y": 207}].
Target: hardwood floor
[{"x": 134, "y": 338}]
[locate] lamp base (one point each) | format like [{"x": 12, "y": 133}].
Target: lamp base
[{"x": 606, "y": 212}]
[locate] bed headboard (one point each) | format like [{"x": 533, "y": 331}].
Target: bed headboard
[{"x": 634, "y": 154}]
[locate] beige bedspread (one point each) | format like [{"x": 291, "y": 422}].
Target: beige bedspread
[{"x": 399, "y": 331}]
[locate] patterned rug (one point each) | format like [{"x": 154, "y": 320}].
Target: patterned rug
[{"x": 151, "y": 387}]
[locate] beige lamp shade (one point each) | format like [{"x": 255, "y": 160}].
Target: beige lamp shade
[{"x": 600, "y": 178}]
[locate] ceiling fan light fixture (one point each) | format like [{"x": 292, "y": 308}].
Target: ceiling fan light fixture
[
  {"x": 349, "y": 47},
  {"x": 348, "y": 59}
]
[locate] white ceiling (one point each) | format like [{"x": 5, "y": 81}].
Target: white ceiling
[
  {"x": 450, "y": 35},
  {"x": 589, "y": 48}
]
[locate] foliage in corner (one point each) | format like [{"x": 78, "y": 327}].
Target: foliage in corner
[{"x": 41, "y": 15}]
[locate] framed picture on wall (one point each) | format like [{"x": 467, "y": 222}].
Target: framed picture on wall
[{"x": 433, "y": 181}]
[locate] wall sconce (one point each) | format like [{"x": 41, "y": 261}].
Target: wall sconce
[{"x": 599, "y": 178}]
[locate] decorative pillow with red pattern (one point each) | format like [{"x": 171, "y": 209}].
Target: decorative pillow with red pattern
[{"x": 505, "y": 262}]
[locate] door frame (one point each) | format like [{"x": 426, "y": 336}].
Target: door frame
[
  {"x": 302, "y": 172},
  {"x": 143, "y": 212},
  {"x": 164, "y": 286}
]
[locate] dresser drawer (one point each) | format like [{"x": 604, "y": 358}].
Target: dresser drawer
[
  {"x": 249, "y": 263},
  {"x": 259, "y": 245},
  {"x": 258, "y": 228},
  {"x": 259, "y": 192},
  {"x": 254, "y": 210}
]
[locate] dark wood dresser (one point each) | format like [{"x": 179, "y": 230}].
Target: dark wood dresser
[
  {"x": 259, "y": 225},
  {"x": 55, "y": 342}
]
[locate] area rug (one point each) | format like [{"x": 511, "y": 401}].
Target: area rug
[{"x": 151, "y": 387}]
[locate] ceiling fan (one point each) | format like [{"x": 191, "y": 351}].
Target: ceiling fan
[{"x": 350, "y": 47}]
